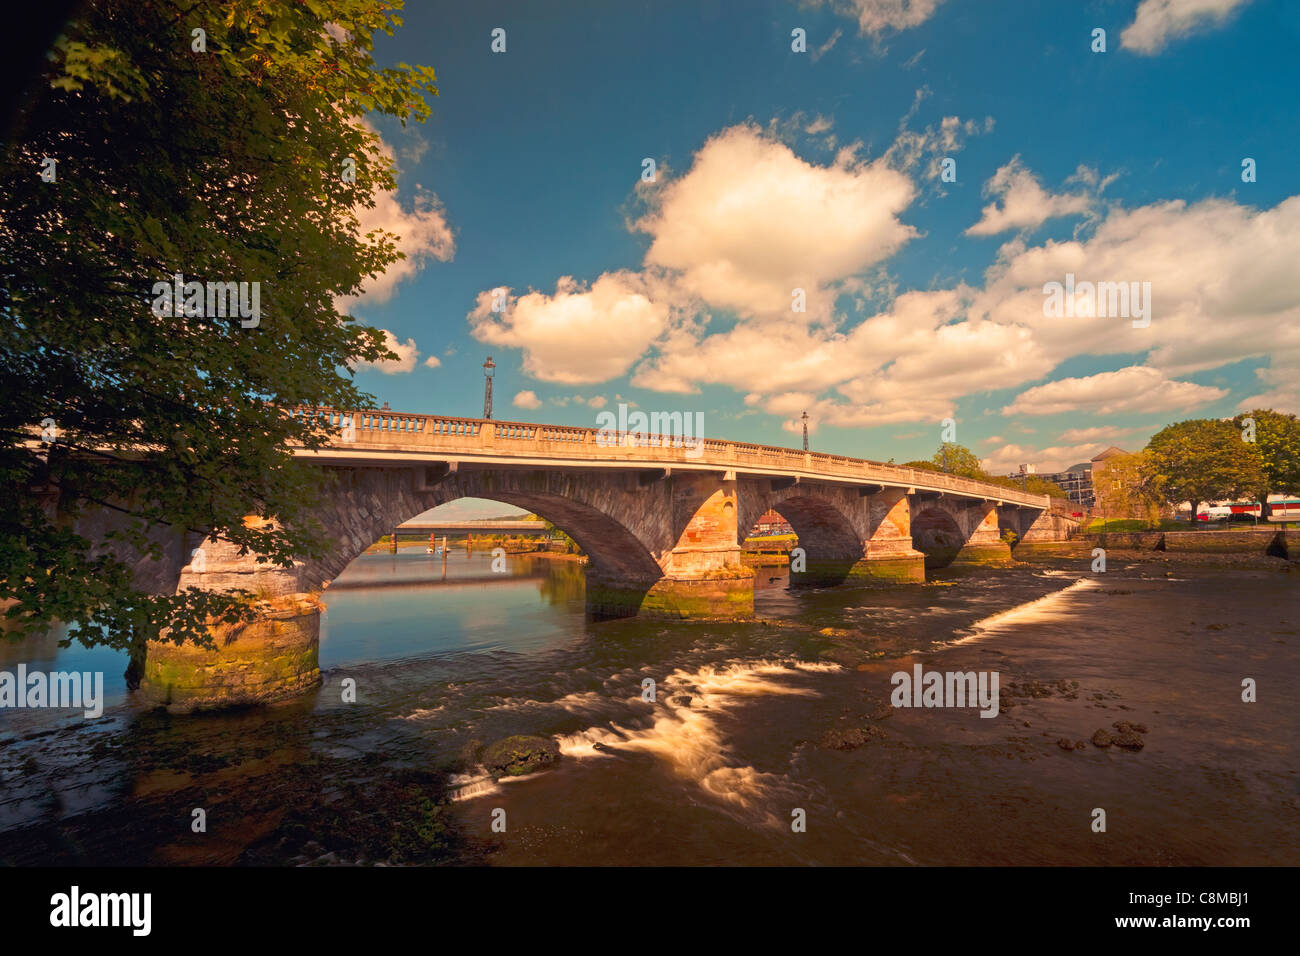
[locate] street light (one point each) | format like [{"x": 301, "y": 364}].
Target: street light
[
  {"x": 805, "y": 431},
  {"x": 488, "y": 368}
]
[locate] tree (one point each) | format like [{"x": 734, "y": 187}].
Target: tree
[
  {"x": 959, "y": 460},
  {"x": 223, "y": 165},
  {"x": 1278, "y": 436},
  {"x": 1203, "y": 460}
]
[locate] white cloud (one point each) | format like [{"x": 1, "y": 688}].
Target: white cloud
[
  {"x": 819, "y": 125},
  {"x": 822, "y": 50},
  {"x": 751, "y": 221},
  {"x": 749, "y": 215},
  {"x": 1159, "y": 21},
  {"x": 1025, "y": 204},
  {"x": 597, "y": 402},
  {"x": 876, "y": 17},
  {"x": 527, "y": 399},
  {"x": 927, "y": 148},
  {"x": 1097, "y": 433},
  {"x": 432, "y": 361},
  {"x": 579, "y": 335},
  {"x": 407, "y": 354},
  {"x": 1132, "y": 389},
  {"x": 1282, "y": 393},
  {"x": 423, "y": 230},
  {"x": 425, "y": 234}
]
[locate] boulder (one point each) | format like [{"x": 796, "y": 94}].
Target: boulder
[{"x": 521, "y": 754}]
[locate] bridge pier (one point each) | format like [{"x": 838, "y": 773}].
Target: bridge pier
[
  {"x": 272, "y": 658},
  {"x": 984, "y": 544},
  {"x": 888, "y": 556},
  {"x": 702, "y": 574}
]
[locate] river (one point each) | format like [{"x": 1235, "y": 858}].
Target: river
[{"x": 754, "y": 727}]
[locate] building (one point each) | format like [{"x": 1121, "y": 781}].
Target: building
[
  {"x": 1079, "y": 481},
  {"x": 771, "y": 523},
  {"x": 1075, "y": 480}
]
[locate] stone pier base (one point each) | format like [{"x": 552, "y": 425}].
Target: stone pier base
[
  {"x": 894, "y": 568},
  {"x": 889, "y": 569},
  {"x": 987, "y": 554},
  {"x": 725, "y": 593},
  {"x": 271, "y": 659}
]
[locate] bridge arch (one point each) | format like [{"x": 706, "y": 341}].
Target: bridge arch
[
  {"x": 369, "y": 503},
  {"x": 832, "y": 524},
  {"x": 937, "y": 534}
]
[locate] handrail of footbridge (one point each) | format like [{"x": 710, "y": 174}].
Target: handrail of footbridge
[{"x": 470, "y": 439}]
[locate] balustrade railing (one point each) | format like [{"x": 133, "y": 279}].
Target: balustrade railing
[{"x": 383, "y": 428}]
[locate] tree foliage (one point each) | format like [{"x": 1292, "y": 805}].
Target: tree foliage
[
  {"x": 1203, "y": 460},
  {"x": 224, "y": 165},
  {"x": 954, "y": 459},
  {"x": 1278, "y": 436}
]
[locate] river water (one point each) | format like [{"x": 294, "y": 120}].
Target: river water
[{"x": 739, "y": 745}]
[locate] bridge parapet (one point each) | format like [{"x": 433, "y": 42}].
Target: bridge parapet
[{"x": 387, "y": 431}]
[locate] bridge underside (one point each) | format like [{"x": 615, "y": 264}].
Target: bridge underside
[{"x": 659, "y": 543}]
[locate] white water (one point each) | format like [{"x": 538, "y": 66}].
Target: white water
[
  {"x": 687, "y": 737},
  {"x": 1056, "y": 606}
]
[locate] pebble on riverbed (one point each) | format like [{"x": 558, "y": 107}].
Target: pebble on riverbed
[{"x": 1126, "y": 736}]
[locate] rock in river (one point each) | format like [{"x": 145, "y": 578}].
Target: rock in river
[{"x": 521, "y": 754}]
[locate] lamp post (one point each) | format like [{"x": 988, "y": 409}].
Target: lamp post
[
  {"x": 488, "y": 368},
  {"x": 805, "y": 431}
]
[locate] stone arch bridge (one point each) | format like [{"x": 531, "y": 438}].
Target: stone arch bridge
[{"x": 662, "y": 518}]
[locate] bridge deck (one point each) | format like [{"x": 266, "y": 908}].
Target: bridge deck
[{"x": 385, "y": 437}]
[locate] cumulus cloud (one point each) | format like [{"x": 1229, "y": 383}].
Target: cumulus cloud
[
  {"x": 1132, "y": 389},
  {"x": 751, "y": 221},
  {"x": 527, "y": 399},
  {"x": 421, "y": 225},
  {"x": 432, "y": 361},
  {"x": 1159, "y": 21},
  {"x": 1223, "y": 291},
  {"x": 407, "y": 354},
  {"x": 579, "y": 335},
  {"x": 424, "y": 234},
  {"x": 1024, "y": 202}
]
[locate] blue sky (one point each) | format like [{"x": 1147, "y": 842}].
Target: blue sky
[{"x": 778, "y": 169}]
